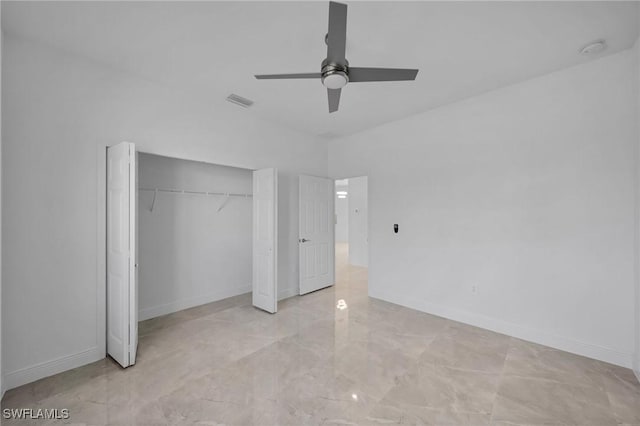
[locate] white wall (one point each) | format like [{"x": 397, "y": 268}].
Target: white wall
[
  {"x": 527, "y": 192},
  {"x": 637, "y": 316},
  {"x": 191, "y": 253},
  {"x": 2, "y": 384},
  {"x": 342, "y": 215},
  {"x": 358, "y": 222},
  {"x": 60, "y": 112}
]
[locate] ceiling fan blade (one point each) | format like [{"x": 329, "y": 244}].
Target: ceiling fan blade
[
  {"x": 334, "y": 99},
  {"x": 337, "y": 35},
  {"x": 279, "y": 76},
  {"x": 381, "y": 74}
]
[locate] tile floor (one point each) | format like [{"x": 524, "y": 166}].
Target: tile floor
[{"x": 372, "y": 363}]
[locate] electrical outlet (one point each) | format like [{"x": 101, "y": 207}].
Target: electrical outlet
[{"x": 474, "y": 288}]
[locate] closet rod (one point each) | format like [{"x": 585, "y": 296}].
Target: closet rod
[{"x": 183, "y": 191}]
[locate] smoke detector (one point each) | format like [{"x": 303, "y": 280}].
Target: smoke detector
[{"x": 594, "y": 47}]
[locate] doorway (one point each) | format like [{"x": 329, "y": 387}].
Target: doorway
[
  {"x": 352, "y": 243},
  {"x": 352, "y": 222}
]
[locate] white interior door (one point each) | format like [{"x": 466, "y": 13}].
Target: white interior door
[
  {"x": 316, "y": 236},
  {"x": 265, "y": 239},
  {"x": 122, "y": 306}
]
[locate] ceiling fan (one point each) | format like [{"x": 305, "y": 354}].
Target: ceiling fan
[{"x": 335, "y": 71}]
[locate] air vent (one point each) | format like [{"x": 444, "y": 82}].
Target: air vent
[
  {"x": 239, "y": 100},
  {"x": 328, "y": 135},
  {"x": 594, "y": 47}
]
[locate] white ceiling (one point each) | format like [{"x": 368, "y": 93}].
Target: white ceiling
[{"x": 461, "y": 48}]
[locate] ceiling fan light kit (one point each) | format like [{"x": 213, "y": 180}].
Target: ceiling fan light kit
[
  {"x": 334, "y": 76},
  {"x": 335, "y": 72}
]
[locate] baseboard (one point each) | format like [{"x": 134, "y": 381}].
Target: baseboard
[
  {"x": 49, "y": 368},
  {"x": 179, "y": 305},
  {"x": 286, "y": 293},
  {"x": 525, "y": 333}
]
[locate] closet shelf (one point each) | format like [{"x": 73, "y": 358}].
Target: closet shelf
[{"x": 184, "y": 191}]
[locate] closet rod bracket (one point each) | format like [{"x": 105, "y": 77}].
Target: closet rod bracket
[
  {"x": 224, "y": 202},
  {"x": 153, "y": 203}
]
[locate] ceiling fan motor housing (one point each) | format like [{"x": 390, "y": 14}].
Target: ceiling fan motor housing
[{"x": 334, "y": 76}]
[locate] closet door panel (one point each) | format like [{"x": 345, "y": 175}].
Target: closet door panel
[{"x": 265, "y": 241}]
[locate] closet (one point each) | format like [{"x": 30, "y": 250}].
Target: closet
[{"x": 194, "y": 233}]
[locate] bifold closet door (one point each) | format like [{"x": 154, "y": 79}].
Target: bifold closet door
[
  {"x": 265, "y": 239},
  {"x": 122, "y": 305}
]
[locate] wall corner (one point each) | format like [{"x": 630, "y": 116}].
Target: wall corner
[
  {"x": 636, "y": 358},
  {"x": 2, "y": 381}
]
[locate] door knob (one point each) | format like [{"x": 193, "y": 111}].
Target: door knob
[{"x": 303, "y": 240}]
